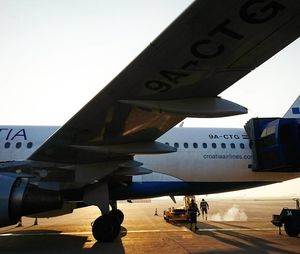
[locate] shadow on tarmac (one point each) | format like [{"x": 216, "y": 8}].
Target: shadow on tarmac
[
  {"x": 52, "y": 241},
  {"x": 245, "y": 243}
]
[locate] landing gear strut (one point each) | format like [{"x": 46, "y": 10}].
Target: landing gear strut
[{"x": 107, "y": 227}]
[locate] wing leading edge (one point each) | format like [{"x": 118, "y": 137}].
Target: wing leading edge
[{"x": 205, "y": 50}]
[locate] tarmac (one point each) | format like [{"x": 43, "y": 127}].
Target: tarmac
[{"x": 233, "y": 226}]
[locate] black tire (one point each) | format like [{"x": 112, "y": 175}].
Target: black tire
[
  {"x": 118, "y": 215},
  {"x": 291, "y": 229},
  {"x": 105, "y": 228}
]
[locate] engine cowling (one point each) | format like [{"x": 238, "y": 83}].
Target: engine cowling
[{"x": 18, "y": 197}]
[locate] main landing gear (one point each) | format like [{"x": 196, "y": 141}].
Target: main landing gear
[{"x": 107, "y": 227}]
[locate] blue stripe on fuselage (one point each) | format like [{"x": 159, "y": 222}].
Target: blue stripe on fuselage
[{"x": 156, "y": 189}]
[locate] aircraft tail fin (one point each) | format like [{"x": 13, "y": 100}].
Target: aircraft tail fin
[{"x": 294, "y": 110}]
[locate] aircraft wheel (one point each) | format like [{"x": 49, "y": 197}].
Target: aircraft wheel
[
  {"x": 118, "y": 214},
  {"x": 105, "y": 228},
  {"x": 291, "y": 229}
]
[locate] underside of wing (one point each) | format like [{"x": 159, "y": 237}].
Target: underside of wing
[{"x": 205, "y": 50}]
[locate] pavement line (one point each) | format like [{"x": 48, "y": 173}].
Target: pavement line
[
  {"x": 85, "y": 232},
  {"x": 45, "y": 233},
  {"x": 156, "y": 230},
  {"x": 237, "y": 229},
  {"x": 137, "y": 231}
]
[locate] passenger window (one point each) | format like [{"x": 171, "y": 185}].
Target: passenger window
[
  {"x": 223, "y": 145},
  {"x": 18, "y": 145},
  {"x": 204, "y": 145},
  {"x": 185, "y": 145},
  {"x": 176, "y": 145},
  {"x": 214, "y": 145},
  {"x": 195, "y": 145},
  {"x": 29, "y": 145},
  {"x": 242, "y": 146},
  {"x": 7, "y": 145},
  {"x": 232, "y": 145}
]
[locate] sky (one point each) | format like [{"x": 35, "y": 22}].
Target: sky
[{"x": 55, "y": 55}]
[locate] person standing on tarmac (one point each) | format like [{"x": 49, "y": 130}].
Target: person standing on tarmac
[
  {"x": 193, "y": 212},
  {"x": 297, "y": 203},
  {"x": 204, "y": 208}
]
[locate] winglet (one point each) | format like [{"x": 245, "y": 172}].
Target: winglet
[{"x": 294, "y": 110}]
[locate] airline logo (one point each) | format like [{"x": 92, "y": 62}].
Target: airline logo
[
  {"x": 11, "y": 134},
  {"x": 296, "y": 111}
]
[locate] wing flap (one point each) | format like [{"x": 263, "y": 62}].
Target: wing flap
[
  {"x": 192, "y": 107},
  {"x": 131, "y": 148},
  {"x": 133, "y": 171}
]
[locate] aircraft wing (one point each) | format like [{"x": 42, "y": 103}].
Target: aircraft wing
[{"x": 209, "y": 47}]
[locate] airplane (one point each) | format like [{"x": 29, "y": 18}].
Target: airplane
[{"x": 122, "y": 145}]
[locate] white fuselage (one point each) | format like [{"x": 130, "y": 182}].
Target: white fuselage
[
  {"x": 208, "y": 155},
  {"x": 204, "y": 155},
  {"x": 19, "y": 142}
]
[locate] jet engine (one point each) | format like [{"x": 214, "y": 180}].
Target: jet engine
[{"x": 19, "y": 197}]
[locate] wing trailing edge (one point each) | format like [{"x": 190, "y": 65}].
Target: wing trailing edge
[{"x": 131, "y": 148}]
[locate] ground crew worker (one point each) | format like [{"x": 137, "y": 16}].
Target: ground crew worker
[
  {"x": 193, "y": 212},
  {"x": 204, "y": 207}
]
